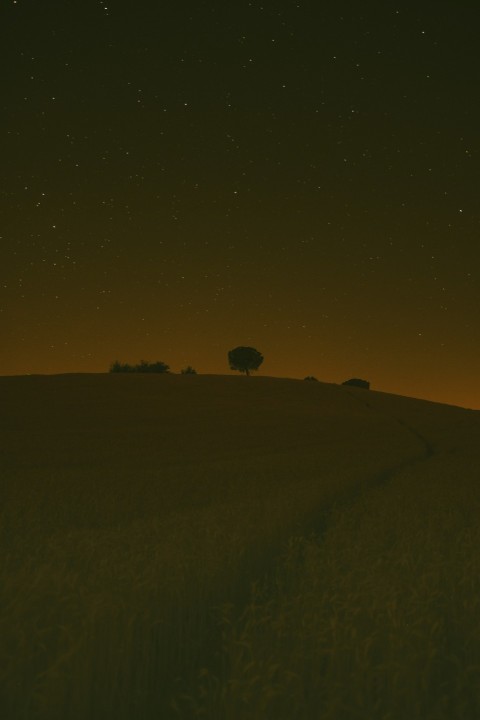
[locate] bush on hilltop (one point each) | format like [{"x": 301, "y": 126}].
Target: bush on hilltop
[
  {"x": 357, "y": 382},
  {"x": 143, "y": 367}
]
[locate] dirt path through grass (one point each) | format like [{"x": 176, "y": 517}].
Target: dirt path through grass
[
  {"x": 119, "y": 539},
  {"x": 370, "y": 612}
]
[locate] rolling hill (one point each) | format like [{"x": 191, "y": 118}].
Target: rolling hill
[{"x": 133, "y": 505}]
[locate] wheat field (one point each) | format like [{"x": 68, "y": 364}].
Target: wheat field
[{"x": 228, "y": 548}]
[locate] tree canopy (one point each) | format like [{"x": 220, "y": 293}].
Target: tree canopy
[{"x": 244, "y": 359}]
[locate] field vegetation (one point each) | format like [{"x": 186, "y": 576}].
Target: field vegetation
[{"x": 236, "y": 548}]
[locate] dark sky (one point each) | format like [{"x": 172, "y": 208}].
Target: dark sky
[{"x": 179, "y": 178}]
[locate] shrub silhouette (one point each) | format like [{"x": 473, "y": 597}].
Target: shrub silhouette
[
  {"x": 356, "y": 382},
  {"x": 244, "y": 359},
  {"x": 188, "y": 371},
  {"x": 117, "y": 367},
  {"x": 156, "y": 367},
  {"x": 310, "y": 377},
  {"x": 143, "y": 367}
]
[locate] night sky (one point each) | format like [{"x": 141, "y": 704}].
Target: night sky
[{"x": 180, "y": 178}]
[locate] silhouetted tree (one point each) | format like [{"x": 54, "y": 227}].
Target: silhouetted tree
[
  {"x": 188, "y": 371},
  {"x": 356, "y": 382},
  {"x": 244, "y": 359},
  {"x": 310, "y": 377}
]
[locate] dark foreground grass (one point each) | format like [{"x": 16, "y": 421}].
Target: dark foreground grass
[
  {"x": 327, "y": 573},
  {"x": 378, "y": 618}
]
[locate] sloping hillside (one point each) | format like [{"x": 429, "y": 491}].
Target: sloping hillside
[
  {"x": 132, "y": 505},
  {"x": 135, "y": 434},
  {"x": 114, "y": 449},
  {"x": 143, "y": 422}
]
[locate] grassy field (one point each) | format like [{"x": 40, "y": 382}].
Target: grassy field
[{"x": 236, "y": 548}]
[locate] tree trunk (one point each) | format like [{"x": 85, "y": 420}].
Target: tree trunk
[{"x": 246, "y": 370}]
